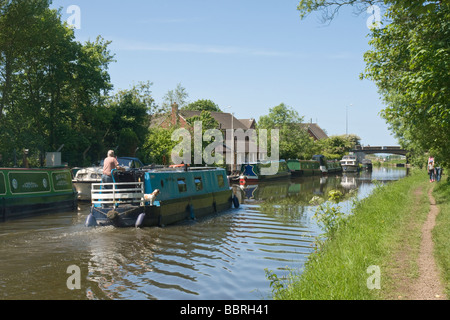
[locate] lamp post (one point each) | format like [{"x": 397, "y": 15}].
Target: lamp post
[{"x": 232, "y": 140}]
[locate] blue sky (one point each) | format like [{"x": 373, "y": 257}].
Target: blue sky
[{"x": 250, "y": 55}]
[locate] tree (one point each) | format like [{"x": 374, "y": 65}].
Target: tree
[
  {"x": 158, "y": 146},
  {"x": 207, "y": 122},
  {"x": 409, "y": 63},
  {"x": 178, "y": 96},
  {"x": 295, "y": 142},
  {"x": 48, "y": 81},
  {"x": 335, "y": 147},
  {"x": 203, "y": 105},
  {"x": 130, "y": 118}
]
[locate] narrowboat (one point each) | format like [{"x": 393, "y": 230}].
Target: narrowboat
[
  {"x": 327, "y": 166},
  {"x": 304, "y": 168},
  {"x": 350, "y": 163},
  {"x": 85, "y": 177},
  {"x": 253, "y": 172},
  {"x": 26, "y": 192},
  {"x": 159, "y": 197}
]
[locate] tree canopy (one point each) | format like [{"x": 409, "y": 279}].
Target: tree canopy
[
  {"x": 51, "y": 86},
  {"x": 203, "y": 105},
  {"x": 295, "y": 142},
  {"x": 410, "y": 64}
]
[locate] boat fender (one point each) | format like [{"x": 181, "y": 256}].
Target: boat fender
[
  {"x": 91, "y": 221},
  {"x": 140, "y": 220},
  {"x": 235, "y": 201},
  {"x": 215, "y": 207}
]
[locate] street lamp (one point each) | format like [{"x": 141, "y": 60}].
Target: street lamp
[{"x": 232, "y": 139}]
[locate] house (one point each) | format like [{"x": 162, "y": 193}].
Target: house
[{"x": 244, "y": 150}]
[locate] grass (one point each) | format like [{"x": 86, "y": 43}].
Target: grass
[
  {"x": 379, "y": 227},
  {"x": 441, "y": 232}
]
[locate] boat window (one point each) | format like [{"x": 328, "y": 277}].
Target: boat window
[
  {"x": 182, "y": 185},
  {"x": 220, "y": 181},
  {"x": 198, "y": 184},
  {"x": 162, "y": 184}
]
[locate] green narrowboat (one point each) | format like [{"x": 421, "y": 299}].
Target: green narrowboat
[
  {"x": 327, "y": 166},
  {"x": 159, "y": 197},
  {"x": 25, "y": 192},
  {"x": 304, "y": 168}
]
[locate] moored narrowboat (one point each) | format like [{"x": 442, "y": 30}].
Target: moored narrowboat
[
  {"x": 145, "y": 198},
  {"x": 327, "y": 166},
  {"x": 255, "y": 172},
  {"x": 27, "y": 192},
  {"x": 304, "y": 168}
]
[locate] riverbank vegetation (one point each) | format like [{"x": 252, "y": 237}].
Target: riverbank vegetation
[
  {"x": 371, "y": 238},
  {"x": 56, "y": 94}
]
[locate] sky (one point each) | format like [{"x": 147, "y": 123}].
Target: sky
[{"x": 245, "y": 55}]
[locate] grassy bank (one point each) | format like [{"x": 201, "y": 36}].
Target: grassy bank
[
  {"x": 381, "y": 226},
  {"x": 441, "y": 233}
]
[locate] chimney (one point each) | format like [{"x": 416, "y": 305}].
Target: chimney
[{"x": 175, "y": 114}]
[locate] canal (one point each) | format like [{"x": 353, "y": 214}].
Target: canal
[{"x": 221, "y": 257}]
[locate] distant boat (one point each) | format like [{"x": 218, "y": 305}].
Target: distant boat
[
  {"x": 327, "y": 166},
  {"x": 350, "y": 163},
  {"x": 367, "y": 164},
  {"x": 317, "y": 166},
  {"x": 158, "y": 197},
  {"x": 253, "y": 172},
  {"x": 304, "y": 168},
  {"x": 85, "y": 177},
  {"x": 26, "y": 192}
]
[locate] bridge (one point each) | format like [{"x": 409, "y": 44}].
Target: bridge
[{"x": 361, "y": 151}]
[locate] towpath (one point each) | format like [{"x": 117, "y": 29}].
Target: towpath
[{"x": 427, "y": 286}]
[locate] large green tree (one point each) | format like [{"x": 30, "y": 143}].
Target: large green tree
[
  {"x": 50, "y": 84},
  {"x": 410, "y": 64},
  {"x": 131, "y": 111},
  {"x": 295, "y": 142},
  {"x": 203, "y": 105}
]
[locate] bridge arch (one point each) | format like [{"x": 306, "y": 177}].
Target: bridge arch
[{"x": 361, "y": 151}]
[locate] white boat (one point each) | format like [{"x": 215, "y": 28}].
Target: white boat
[
  {"x": 85, "y": 177},
  {"x": 350, "y": 163}
]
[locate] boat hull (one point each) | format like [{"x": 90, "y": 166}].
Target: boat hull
[
  {"x": 83, "y": 189},
  {"x": 166, "y": 213},
  {"x": 350, "y": 168},
  {"x": 251, "y": 173},
  {"x": 28, "y": 192}
]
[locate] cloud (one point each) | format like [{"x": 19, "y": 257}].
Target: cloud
[{"x": 128, "y": 45}]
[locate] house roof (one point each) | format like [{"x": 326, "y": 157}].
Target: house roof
[
  {"x": 249, "y": 123},
  {"x": 315, "y": 130},
  {"x": 224, "y": 119}
]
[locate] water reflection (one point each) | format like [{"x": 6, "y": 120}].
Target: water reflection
[{"x": 220, "y": 257}]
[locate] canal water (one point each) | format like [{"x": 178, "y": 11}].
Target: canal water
[{"x": 222, "y": 257}]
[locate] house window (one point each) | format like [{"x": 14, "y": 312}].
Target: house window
[
  {"x": 182, "y": 185},
  {"x": 198, "y": 184},
  {"x": 220, "y": 181}
]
